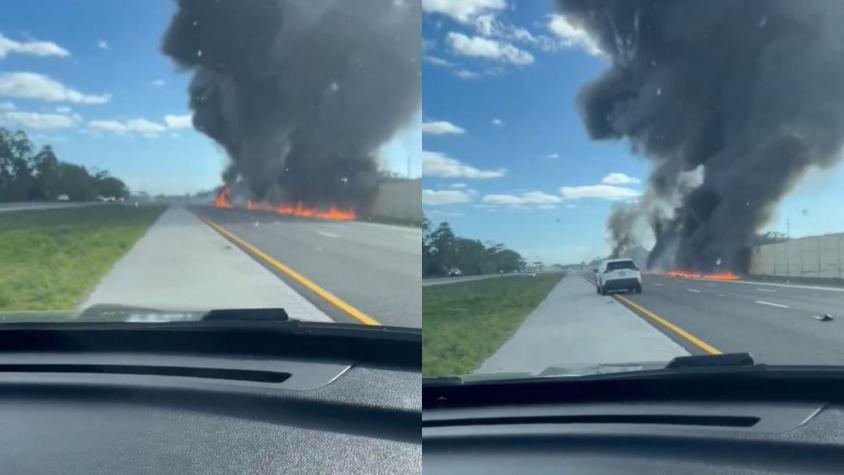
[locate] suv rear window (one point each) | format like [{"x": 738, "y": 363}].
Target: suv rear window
[{"x": 611, "y": 266}]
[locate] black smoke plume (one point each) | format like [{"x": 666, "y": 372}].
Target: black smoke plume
[
  {"x": 745, "y": 94},
  {"x": 300, "y": 93}
]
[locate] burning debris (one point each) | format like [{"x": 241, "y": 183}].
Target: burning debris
[
  {"x": 223, "y": 200},
  {"x": 300, "y": 93},
  {"x": 748, "y": 95}
]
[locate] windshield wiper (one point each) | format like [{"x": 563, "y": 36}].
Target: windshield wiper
[
  {"x": 246, "y": 314},
  {"x": 709, "y": 361}
]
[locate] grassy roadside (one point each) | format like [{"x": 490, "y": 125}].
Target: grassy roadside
[
  {"x": 51, "y": 259},
  {"x": 465, "y": 323}
]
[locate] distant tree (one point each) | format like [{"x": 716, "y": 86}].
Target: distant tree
[
  {"x": 442, "y": 251},
  {"x": 769, "y": 238},
  {"x": 28, "y": 175},
  {"x": 111, "y": 186}
]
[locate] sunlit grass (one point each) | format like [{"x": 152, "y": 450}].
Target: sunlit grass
[
  {"x": 465, "y": 323},
  {"x": 52, "y": 259}
]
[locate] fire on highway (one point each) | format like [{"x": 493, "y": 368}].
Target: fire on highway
[{"x": 333, "y": 213}]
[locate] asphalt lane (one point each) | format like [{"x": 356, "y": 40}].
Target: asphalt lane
[
  {"x": 375, "y": 268},
  {"x": 775, "y": 323}
]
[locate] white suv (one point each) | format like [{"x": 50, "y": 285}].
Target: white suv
[{"x": 618, "y": 274}]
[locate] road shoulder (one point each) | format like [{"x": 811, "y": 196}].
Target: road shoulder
[
  {"x": 575, "y": 327},
  {"x": 182, "y": 264}
]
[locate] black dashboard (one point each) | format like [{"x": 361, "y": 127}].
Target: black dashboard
[
  {"x": 211, "y": 398},
  {"x": 759, "y": 422}
]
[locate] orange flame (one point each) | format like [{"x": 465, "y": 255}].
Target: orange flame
[
  {"x": 301, "y": 211},
  {"x": 697, "y": 275},
  {"x": 223, "y": 199}
]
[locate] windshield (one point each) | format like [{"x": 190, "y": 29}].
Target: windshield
[
  {"x": 161, "y": 159},
  {"x": 699, "y": 140}
]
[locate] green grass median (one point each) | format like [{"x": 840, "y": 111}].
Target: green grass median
[
  {"x": 51, "y": 259},
  {"x": 464, "y": 323}
]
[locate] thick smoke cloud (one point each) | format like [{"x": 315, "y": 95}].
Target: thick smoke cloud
[
  {"x": 300, "y": 93},
  {"x": 750, "y": 94}
]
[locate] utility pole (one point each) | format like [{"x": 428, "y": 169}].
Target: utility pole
[
  {"x": 408, "y": 166},
  {"x": 787, "y": 246}
]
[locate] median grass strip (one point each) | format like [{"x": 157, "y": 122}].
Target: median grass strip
[
  {"x": 51, "y": 259},
  {"x": 465, "y": 323}
]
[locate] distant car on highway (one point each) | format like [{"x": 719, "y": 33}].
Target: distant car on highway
[
  {"x": 618, "y": 274},
  {"x": 455, "y": 273},
  {"x": 62, "y": 198}
]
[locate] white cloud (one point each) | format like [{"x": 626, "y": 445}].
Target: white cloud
[
  {"x": 144, "y": 127},
  {"x": 497, "y": 122},
  {"x": 179, "y": 121},
  {"x": 479, "y": 47},
  {"x": 38, "y": 86},
  {"x": 102, "y": 44},
  {"x": 458, "y": 186},
  {"x": 571, "y": 35},
  {"x": 445, "y": 197},
  {"x": 462, "y": 10},
  {"x": 438, "y": 165},
  {"x": 604, "y": 192},
  {"x": 33, "y": 48},
  {"x": 553, "y": 156},
  {"x": 466, "y": 74},
  {"x": 108, "y": 126},
  {"x": 437, "y": 61},
  {"x": 158, "y": 83},
  {"x": 64, "y": 110},
  {"x": 490, "y": 25},
  {"x": 6, "y": 106},
  {"x": 441, "y": 127},
  {"x": 620, "y": 179},
  {"x": 35, "y": 120},
  {"x": 529, "y": 198}
]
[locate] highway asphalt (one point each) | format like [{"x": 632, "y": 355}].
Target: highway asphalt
[
  {"x": 368, "y": 269},
  {"x": 774, "y": 322}
]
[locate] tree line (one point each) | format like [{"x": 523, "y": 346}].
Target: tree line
[
  {"x": 443, "y": 252},
  {"x": 27, "y": 174}
]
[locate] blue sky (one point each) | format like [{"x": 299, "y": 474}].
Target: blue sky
[
  {"x": 506, "y": 157},
  {"x": 87, "y": 77}
]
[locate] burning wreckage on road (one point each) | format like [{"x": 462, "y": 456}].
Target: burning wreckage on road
[
  {"x": 300, "y": 94},
  {"x": 731, "y": 102}
]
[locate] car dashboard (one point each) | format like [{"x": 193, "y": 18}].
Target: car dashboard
[
  {"x": 770, "y": 423},
  {"x": 161, "y": 400}
]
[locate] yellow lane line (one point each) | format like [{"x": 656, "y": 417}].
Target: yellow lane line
[
  {"x": 313, "y": 287},
  {"x": 674, "y": 328}
]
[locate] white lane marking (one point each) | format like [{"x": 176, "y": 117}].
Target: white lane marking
[
  {"x": 657, "y": 284},
  {"x": 329, "y": 235},
  {"x": 710, "y": 283},
  {"x": 762, "y": 302},
  {"x": 694, "y": 290},
  {"x": 766, "y": 290},
  {"x": 721, "y": 295}
]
